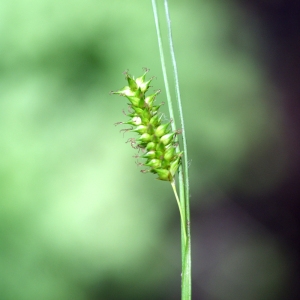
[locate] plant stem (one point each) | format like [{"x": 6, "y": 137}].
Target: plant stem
[
  {"x": 182, "y": 215},
  {"x": 183, "y": 180},
  {"x": 183, "y": 203},
  {"x": 163, "y": 65}
]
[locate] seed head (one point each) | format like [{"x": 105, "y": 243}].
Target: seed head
[{"x": 156, "y": 140}]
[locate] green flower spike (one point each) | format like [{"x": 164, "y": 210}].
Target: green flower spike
[{"x": 156, "y": 140}]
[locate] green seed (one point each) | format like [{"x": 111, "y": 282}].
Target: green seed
[
  {"x": 136, "y": 101},
  {"x": 155, "y": 120},
  {"x": 131, "y": 82},
  {"x": 151, "y": 146},
  {"x": 163, "y": 174},
  {"x": 167, "y": 138},
  {"x": 154, "y": 163},
  {"x": 151, "y": 154},
  {"x": 140, "y": 129},
  {"x": 145, "y": 138},
  {"x": 169, "y": 154},
  {"x": 161, "y": 129}
]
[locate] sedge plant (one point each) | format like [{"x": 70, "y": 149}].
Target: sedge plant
[{"x": 158, "y": 144}]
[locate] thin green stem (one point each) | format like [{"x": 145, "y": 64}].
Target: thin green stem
[
  {"x": 183, "y": 203},
  {"x": 182, "y": 215},
  {"x": 183, "y": 180},
  {"x": 178, "y": 97},
  {"x": 170, "y": 107},
  {"x": 163, "y": 64}
]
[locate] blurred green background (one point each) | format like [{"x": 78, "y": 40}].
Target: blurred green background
[{"x": 77, "y": 218}]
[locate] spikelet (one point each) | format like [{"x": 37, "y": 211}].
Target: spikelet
[{"x": 156, "y": 141}]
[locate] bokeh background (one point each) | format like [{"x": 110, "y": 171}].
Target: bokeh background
[{"x": 78, "y": 220}]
